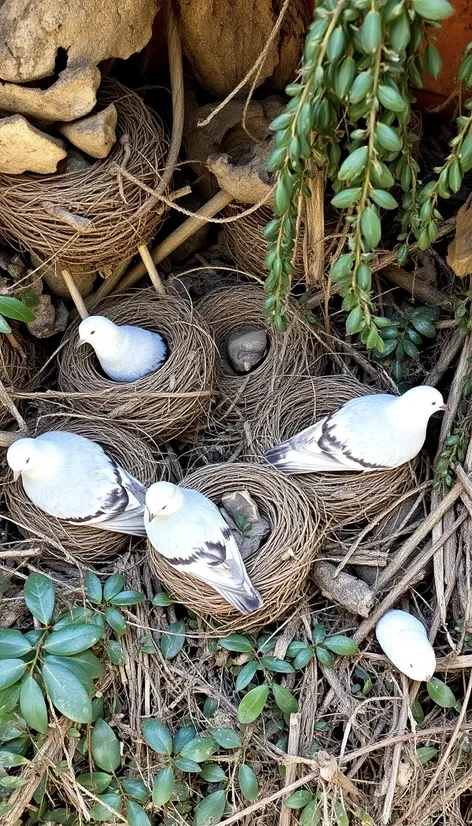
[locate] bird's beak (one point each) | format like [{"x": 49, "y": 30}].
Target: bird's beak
[
  {"x": 16, "y": 475},
  {"x": 150, "y": 515},
  {"x": 80, "y": 343}
]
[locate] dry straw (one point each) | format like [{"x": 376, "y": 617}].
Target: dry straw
[
  {"x": 173, "y": 400},
  {"x": 349, "y": 498},
  {"x": 79, "y": 542},
  {"x": 94, "y": 218},
  {"x": 15, "y": 370},
  {"x": 289, "y": 354},
  {"x": 279, "y": 569}
]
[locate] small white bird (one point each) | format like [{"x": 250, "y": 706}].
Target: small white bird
[
  {"x": 74, "y": 479},
  {"x": 404, "y": 640},
  {"x": 125, "y": 353},
  {"x": 188, "y": 530},
  {"x": 366, "y": 433}
]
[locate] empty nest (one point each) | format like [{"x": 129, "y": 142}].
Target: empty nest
[
  {"x": 15, "y": 372},
  {"x": 349, "y": 498},
  {"x": 175, "y": 398},
  {"x": 80, "y": 542},
  {"x": 280, "y": 567},
  {"x": 94, "y": 218}
]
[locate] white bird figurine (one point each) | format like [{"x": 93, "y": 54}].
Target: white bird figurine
[
  {"x": 74, "y": 479},
  {"x": 365, "y": 434},
  {"x": 125, "y": 353},
  {"x": 404, "y": 640},
  {"x": 188, "y": 530}
]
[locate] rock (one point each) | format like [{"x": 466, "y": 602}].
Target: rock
[
  {"x": 248, "y": 527},
  {"x": 23, "y": 148},
  {"x": 75, "y": 162},
  {"x": 351, "y": 593},
  {"x": 35, "y": 34},
  {"x": 52, "y": 274},
  {"x": 72, "y": 96},
  {"x": 49, "y": 320},
  {"x": 95, "y": 134},
  {"x": 246, "y": 348},
  {"x": 247, "y": 181}
]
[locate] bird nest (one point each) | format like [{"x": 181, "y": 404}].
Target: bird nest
[
  {"x": 290, "y": 354},
  {"x": 349, "y": 498},
  {"x": 15, "y": 372},
  {"x": 175, "y": 398},
  {"x": 279, "y": 569},
  {"x": 81, "y": 542},
  {"x": 93, "y": 218}
]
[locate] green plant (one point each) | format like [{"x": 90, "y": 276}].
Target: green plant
[
  {"x": 454, "y": 451},
  {"x": 404, "y": 336},
  {"x": 15, "y": 309}
]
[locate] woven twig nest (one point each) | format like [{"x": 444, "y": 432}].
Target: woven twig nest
[
  {"x": 290, "y": 354},
  {"x": 15, "y": 371},
  {"x": 93, "y": 218},
  {"x": 176, "y": 398},
  {"x": 80, "y": 542},
  {"x": 349, "y": 498},
  {"x": 281, "y": 565}
]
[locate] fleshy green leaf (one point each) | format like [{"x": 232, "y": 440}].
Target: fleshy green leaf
[
  {"x": 115, "y": 619},
  {"x": 383, "y": 199},
  {"x": 199, "y": 749},
  {"x": 371, "y": 227},
  {"x": 303, "y": 658},
  {"x": 440, "y": 693},
  {"x": 354, "y": 164},
  {"x": 424, "y": 326},
  {"x": 93, "y": 588},
  {"x": 227, "y": 738},
  {"x": 172, "y": 640},
  {"x": 277, "y": 666},
  {"x": 157, "y": 736},
  {"x": 73, "y": 639},
  {"x": 127, "y": 598},
  {"x": 252, "y": 704},
  {"x": 105, "y": 747},
  {"x": 340, "y": 644},
  {"x": 96, "y": 782},
  {"x": 39, "y": 597},
  {"x": 284, "y": 699},
  {"x": 212, "y": 773},
  {"x": 14, "y": 308},
  {"x": 298, "y": 799},
  {"x": 388, "y": 138},
  {"x": 11, "y": 671},
  {"x": 319, "y": 633},
  {"x": 33, "y": 706},
  {"x": 67, "y": 693},
  {"x": 248, "y": 782},
  {"x": 163, "y": 786},
  {"x": 113, "y": 585},
  {"x": 433, "y": 9},
  {"x": 391, "y": 99},
  {"x": 210, "y": 810},
  {"x": 236, "y": 642},
  {"x": 101, "y": 812}
]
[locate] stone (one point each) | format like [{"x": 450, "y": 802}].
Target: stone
[
  {"x": 248, "y": 527},
  {"x": 94, "y": 134},
  {"x": 247, "y": 181},
  {"x": 49, "y": 320},
  {"x": 246, "y": 348},
  {"x": 73, "y": 95},
  {"x": 24, "y": 148},
  {"x": 35, "y": 35},
  {"x": 75, "y": 162},
  {"x": 52, "y": 274}
]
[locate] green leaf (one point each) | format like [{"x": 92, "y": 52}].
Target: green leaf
[
  {"x": 33, "y": 706},
  {"x": 185, "y": 765},
  {"x": 73, "y": 639},
  {"x": 252, "y": 704},
  {"x": 101, "y": 812},
  {"x": 67, "y": 693},
  {"x": 236, "y": 642},
  {"x": 354, "y": 164},
  {"x": 212, "y": 773},
  {"x": 383, "y": 199},
  {"x": 298, "y": 799},
  {"x": 346, "y": 197},
  {"x": 440, "y": 693},
  {"x": 319, "y": 633},
  {"x": 39, "y": 597},
  {"x": 162, "y": 600},
  {"x": 246, "y": 675},
  {"x": 11, "y": 671},
  {"x": 388, "y": 138},
  {"x": 136, "y": 788},
  {"x": 227, "y": 738},
  {"x": 79, "y": 616},
  {"x": 210, "y": 707},
  {"x": 303, "y": 658},
  {"x": 9, "y": 698},
  {"x": 340, "y": 814},
  {"x": 163, "y": 786},
  {"x": 14, "y": 308},
  {"x": 4, "y": 325},
  {"x": 432, "y": 61},
  {"x": 433, "y": 9},
  {"x": 210, "y": 810},
  {"x": 342, "y": 267},
  {"x": 344, "y": 77},
  {"x": 13, "y": 643},
  {"x": 277, "y": 666},
  {"x": 324, "y": 657},
  {"x": 391, "y": 99},
  {"x": 423, "y": 326},
  {"x": 9, "y": 760},
  {"x": 116, "y": 653},
  {"x": 93, "y": 588},
  {"x": 371, "y": 227},
  {"x": 361, "y": 87},
  {"x": 157, "y": 736},
  {"x": 355, "y": 320},
  {"x": 248, "y": 782},
  {"x": 336, "y": 44},
  {"x": 425, "y": 754},
  {"x": 115, "y": 619},
  {"x": 105, "y": 747},
  {"x": 284, "y": 699},
  {"x": 96, "y": 782},
  {"x": 371, "y": 31},
  {"x": 199, "y": 749},
  {"x": 127, "y": 598},
  {"x": 172, "y": 640},
  {"x": 113, "y": 585},
  {"x": 410, "y": 349},
  {"x": 340, "y": 644},
  {"x": 183, "y": 736},
  {"x": 311, "y": 814}
]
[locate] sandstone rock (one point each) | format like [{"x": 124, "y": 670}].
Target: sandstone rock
[
  {"x": 75, "y": 162},
  {"x": 72, "y": 96},
  {"x": 95, "y": 134},
  {"x": 33, "y": 31},
  {"x": 246, "y": 348},
  {"x": 248, "y": 527},
  {"x": 49, "y": 320},
  {"x": 52, "y": 274},
  {"x": 23, "y": 148}
]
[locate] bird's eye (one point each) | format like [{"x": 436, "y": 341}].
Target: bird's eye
[
  {"x": 92, "y": 332},
  {"x": 27, "y": 461}
]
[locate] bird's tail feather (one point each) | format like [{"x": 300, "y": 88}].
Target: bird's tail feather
[
  {"x": 287, "y": 460},
  {"x": 245, "y": 599},
  {"x": 131, "y": 522}
]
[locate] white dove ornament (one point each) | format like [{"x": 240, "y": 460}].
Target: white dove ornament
[
  {"x": 365, "y": 434},
  {"x": 125, "y": 353},
  {"x": 74, "y": 479},
  {"x": 404, "y": 640},
  {"x": 188, "y": 530}
]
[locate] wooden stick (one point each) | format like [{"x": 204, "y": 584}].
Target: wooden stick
[
  {"x": 285, "y": 818},
  {"x": 151, "y": 268},
  {"x": 415, "y": 286},
  {"x": 7, "y": 437},
  {"x": 74, "y": 294}
]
